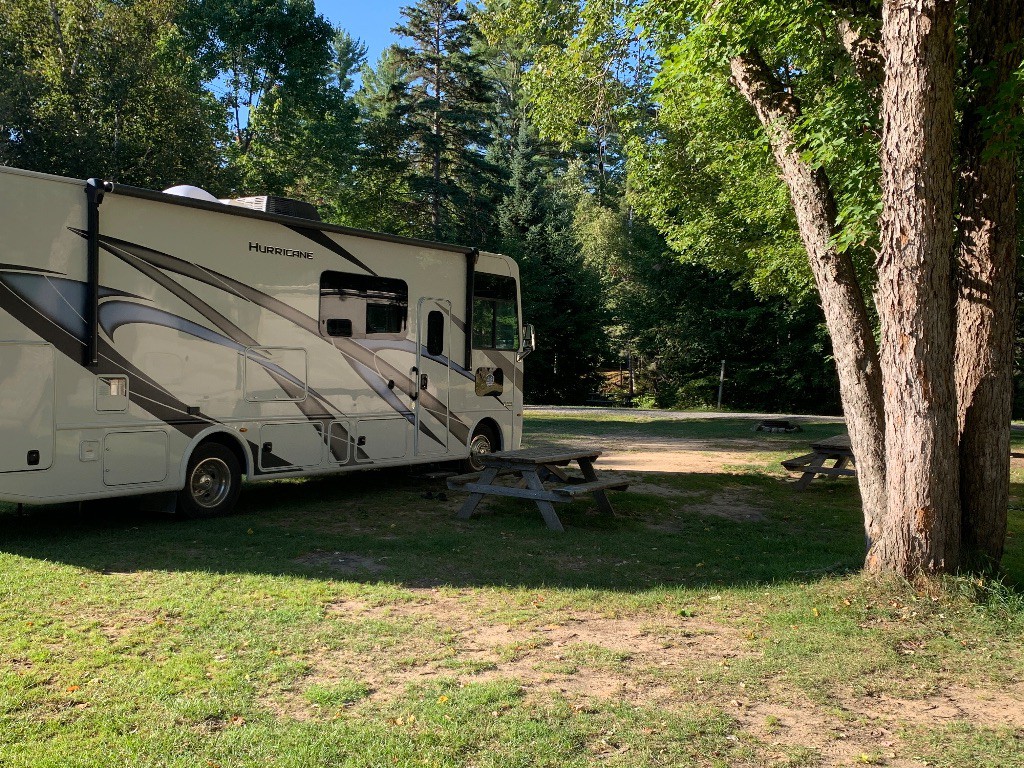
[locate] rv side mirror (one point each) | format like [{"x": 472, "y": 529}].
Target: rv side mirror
[{"x": 529, "y": 341}]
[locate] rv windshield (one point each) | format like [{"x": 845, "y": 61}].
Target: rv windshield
[{"x": 495, "y": 314}]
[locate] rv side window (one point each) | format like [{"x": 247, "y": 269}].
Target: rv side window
[
  {"x": 357, "y": 306},
  {"x": 495, "y": 318},
  {"x": 435, "y": 333},
  {"x": 385, "y": 318},
  {"x": 337, "y": 326}
]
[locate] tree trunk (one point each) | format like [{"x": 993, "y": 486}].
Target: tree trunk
[
  {"x": 921, "y": 529},
  {"x": 846, "y": 315},
  {"x": 987, "y": 281}
]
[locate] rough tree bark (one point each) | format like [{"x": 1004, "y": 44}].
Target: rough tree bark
[
  {"x": 987, "y": 272},
  {"x": 864, "y": 51},
  {"x": 921, "y": 529},
  {"x": 843, "y": 302}
]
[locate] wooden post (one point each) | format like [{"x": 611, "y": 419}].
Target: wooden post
[{"x": 721, "y": 385}]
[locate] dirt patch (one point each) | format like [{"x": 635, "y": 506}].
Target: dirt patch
[
  {"x": 349, "y": 563},
  {"x": 582, "y": 655},
  {"x": 663, "y": 491},
  {"x": 733, "y": 503},
  {"x": 994, "y": 708},
  {"x": 653, "y": 660},
  {"x": 666, "y": 459},
  {"x": 838, "y": 741}
]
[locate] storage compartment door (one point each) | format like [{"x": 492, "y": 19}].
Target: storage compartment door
[
  {"x": 291, "y": 446},
  {"x": 381, "y": 439},
  {"x": 130, "y": 458},
  {"x": 26, "y": 406}
]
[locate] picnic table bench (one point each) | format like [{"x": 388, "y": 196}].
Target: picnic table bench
[
  {"x": 533, "y": 467},
  {"x": 812, "y": 464}
]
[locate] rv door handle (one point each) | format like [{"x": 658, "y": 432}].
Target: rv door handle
[{"x": 423, "y": 381}]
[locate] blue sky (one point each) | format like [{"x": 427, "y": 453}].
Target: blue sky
[{"x": 369, "y": 20}]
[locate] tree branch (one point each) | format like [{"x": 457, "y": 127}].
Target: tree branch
[
  {"x": 853, "y": 341},
  {"x": 864, "y": 50}
]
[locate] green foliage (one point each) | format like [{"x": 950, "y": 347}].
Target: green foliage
[
  {"x": 445, "y": 108},
  {"x": 259, "y": 50},
  {"x": 561, "y": 291},
  {"x": 381, "y": 199},
  {"x": 104, "y": 88},
  {"x": 681, "y": 319},
  {"x": 697, "y": 162},
  {"x": 308, "y": 149}
]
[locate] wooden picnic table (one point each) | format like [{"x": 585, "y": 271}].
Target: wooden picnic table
[
  {"x": 532, "y": 468},
  {"x": 812, "y": 464}
]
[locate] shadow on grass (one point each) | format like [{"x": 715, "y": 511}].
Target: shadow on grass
[
  {"x": 380, "y": 527},
  {"x": 385, "y": 529}
]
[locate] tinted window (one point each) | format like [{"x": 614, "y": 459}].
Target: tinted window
[
  {"x": 362, "y": 305},
  {"x": 495, "y": 317},
  {"x": 385, "y": 318},
  {"x": 339, "y": 327},
  {"x": 435, "y": 333}
]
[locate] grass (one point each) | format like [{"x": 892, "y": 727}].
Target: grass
[{"x": 354, "y": 622}]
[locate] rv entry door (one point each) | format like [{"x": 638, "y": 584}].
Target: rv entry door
[{"x": 432, "y": 375}]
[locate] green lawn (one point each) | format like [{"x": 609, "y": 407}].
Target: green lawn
[{"x": 354, "y": 622}]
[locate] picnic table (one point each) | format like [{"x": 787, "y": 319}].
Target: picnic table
[
  {"x": 531, "y": 468},
  {"x": 812, "y": 464}
]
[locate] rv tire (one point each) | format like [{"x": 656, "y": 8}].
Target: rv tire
[
  {"x": 484, "y": 440},
  {"x": 212, "y": 482}
]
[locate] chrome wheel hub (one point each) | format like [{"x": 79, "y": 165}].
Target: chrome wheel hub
[{"x": 210, "y": 483}]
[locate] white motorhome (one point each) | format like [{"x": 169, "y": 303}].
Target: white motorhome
[{"x": 155, "y": 343}]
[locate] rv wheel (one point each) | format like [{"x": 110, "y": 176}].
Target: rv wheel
[
  {"x": 484, "y": 441},
  {"x": 212, "y": 482}
]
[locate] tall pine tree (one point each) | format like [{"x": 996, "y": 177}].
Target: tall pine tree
[
  {"x": 561, "y": 293},
  {"x": 446, "y": 114}
]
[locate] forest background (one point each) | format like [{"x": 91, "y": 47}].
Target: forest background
[{"x": 636, "y": 233}]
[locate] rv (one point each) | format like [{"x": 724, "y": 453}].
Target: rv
[{"x": 170, "y": 343}]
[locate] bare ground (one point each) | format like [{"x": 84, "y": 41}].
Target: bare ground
[{"x": 665, "y": 661}]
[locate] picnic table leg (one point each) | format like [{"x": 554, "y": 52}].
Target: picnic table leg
[
  {"x": 546, "y": 508},
  {"x": 469, "y": 506},
  {"x": 807, "y": 476},
  {"x": 556, "y": 471},
  {"x": 599, "y": 496}
]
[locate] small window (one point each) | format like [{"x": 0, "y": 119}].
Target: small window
[
  {"x": 495, "y": 313},
  {"x": 358, "y": 306},
  {"x": 339, "y": 327},
  {"x": 435, "y": 333},
  {"x": 385, "y": 318}
]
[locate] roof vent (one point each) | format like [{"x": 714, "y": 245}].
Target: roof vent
[
  {"x": 195, "y": 193},
  {"x": 282, "y": 206}
]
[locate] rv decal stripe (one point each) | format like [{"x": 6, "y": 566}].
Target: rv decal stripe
[
  {"x": 21, "y": 268},
  {"x": 410, "y": 346},
  {"x": 322, "y": 239},
  {"x": 374, "y": 381},
  {"x": 233, "y": 332},
  {"x": 61, "y": 331},
  {"x": 347, "y": 347}
]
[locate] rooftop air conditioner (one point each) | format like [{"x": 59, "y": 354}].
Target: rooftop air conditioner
[{"x": 282, "y": 206}]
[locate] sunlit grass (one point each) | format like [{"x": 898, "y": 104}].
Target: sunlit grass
[{"x": 137, "y": 639}]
